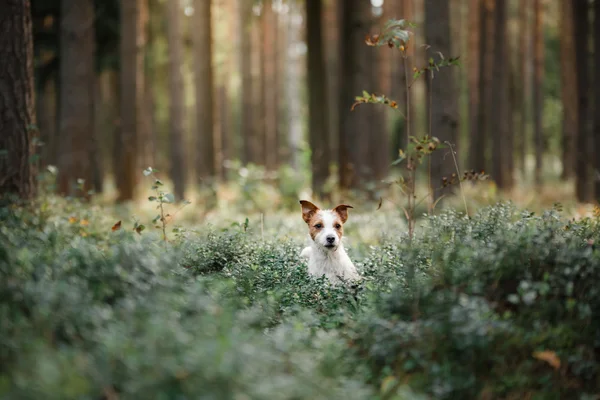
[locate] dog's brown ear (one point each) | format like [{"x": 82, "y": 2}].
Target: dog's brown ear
[
  {"x": 308, "y": 210},
  {"x": 342, "y": 211}
]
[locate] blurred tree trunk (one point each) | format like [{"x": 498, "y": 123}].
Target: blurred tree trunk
[
  {"x": 46, "y": 108},
  {"x": 479, "y": 136},
  {"x": 150, "y": 128},
  {"x": 355, "y": 74},
  {"x": 500, "y": 128},
  {"x": 538, "y": 81},
  {"x": 77, "y": 81},
  {"x": 582, "y": 30},
  {"x": 269, "y": 84},
  {"x": 17, "y": 108},
  {"x": 205, "y": 152},
  {"x": 294, "y": 76},
  {"x": 523, "y": 56},
  {"x": 258, "y": 89},
  {"x": 443, "y": 110},
  {"x": 176, "y": 99},
  {"x": 475, "y": 37},
  {"x": 568, "y": 80},
  {"x": 96, "y": 153},
  {"x": 596, "y": 115},
  {"x": 331, "y": 29},
  {"x": 133, "y": 40},
  {"x": 247, "y": 117},
  {"x": 317, "y": 97}
]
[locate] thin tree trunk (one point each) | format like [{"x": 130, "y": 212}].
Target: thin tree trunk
[
  {"x": 582, "y": 30},
  {"x": 317, "y": 97},
  {"x": 96, "y": 154},
  {"x": 77, "y": 79},
  {"x": 443, "y": 110},
  {"x": 132, "y": 93},
  {"x": 17, "y": 108},
  {"x": 331, "y": 22},
  {"x": 47, "y": 118},
  {"x": 521, "y": 136},
  {"x": 475, "y": 36},
  {"x": 568, "y": 80},
  {"x": 293, "y": 87},
  {"x": 269, "y": 84},
  {"x": 355, "y": 73},
  {"x": 205, "y": 153},
  {"x": 538, "y": 80},
  {"x": 247, "y": 118},
  {"x": 478, "y": 147},
  {"x": 176, "y": 100},
  {"x": 596, "y": 115}
]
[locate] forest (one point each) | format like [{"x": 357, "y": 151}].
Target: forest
[{"x": 159, "y": 161}]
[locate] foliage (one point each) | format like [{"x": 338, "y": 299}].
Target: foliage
[{"x": 502, "y": 304}]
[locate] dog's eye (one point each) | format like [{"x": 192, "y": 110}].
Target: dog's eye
[
  {"x": 318, "y": 226},
  {"x": 337, "y": 226}
]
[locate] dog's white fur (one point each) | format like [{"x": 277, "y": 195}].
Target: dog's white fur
[{"x": 326, "y": 254}]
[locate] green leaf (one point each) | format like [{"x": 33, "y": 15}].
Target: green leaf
[{"x": 169, "y": 198}]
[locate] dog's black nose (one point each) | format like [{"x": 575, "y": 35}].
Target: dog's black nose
[{"x": 330, "y": 239}]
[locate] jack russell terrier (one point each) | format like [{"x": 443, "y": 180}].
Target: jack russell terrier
[{"x": 326, "y": 254}]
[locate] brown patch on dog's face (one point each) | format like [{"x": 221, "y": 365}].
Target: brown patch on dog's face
[
  {"x": 338, "y": 226},
  {"x": 315, "y": 225}
]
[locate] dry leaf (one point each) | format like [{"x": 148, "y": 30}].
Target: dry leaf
[
  {"x": 84, "y": 222},
  {"x": 548, "y": 356},
  {"x": 72, "y": 220},
  {"x": 116, "y": 226}
]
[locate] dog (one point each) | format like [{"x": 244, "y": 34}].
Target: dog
[{"x": 326, "y": 254}]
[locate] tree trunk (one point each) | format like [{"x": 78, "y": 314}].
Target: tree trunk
[
  {"x": 443, "y": 110},
  {"x": 176, "y": 98},
  {"x": 317, "y": 97},
  {"x": 355, "y": 73},
  {"x": 205, "y": 151},
  {"x": 46, "y": 109},
  {"x": 538, "y": 80},
  {"x": 596, "y": 116},
  {"x": 17, "y": 109},
  {"x": 478, "y": 145},
  {"x": 582, "y": 30},
  {"x": 568, "y": 81},
  {"x": 77, "y": 80},
  {"x": 331, "y": 22},
  {"x": 247, "y": 118},
  {"x": 132, "y": 96},
  {"x": 475, "y": 37},
  {"x": 521, "y": 136},
  {"x": 294, "y": 76},
  {"x": 269, "y": 84}
]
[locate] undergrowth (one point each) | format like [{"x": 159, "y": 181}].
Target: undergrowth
[{"x": 503, "y": 304}]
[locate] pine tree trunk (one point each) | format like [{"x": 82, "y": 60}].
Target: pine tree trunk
[
  {"x": 247, "y": 117},
  {"x": 582, "y": 30},
  {"x": 205, "y": 152},
  {"x": 479, "y": 137},
  {"x": 443, "y": 96},
  {"x": 331, "y": 29},
  {"x": 176, "y": 98},
  {"x": 476, "y": 34},
  {"x": 77, "y": 80},
  {"x": 521, "y": 135},
  {"x": 17, "y": 109},
  {"x": 538, "y": 80},
  {"x": 46, "y": 109},
  {"x": 596, "y": 115},
  {"x": 317, "y": 97},
  {"x": 132, "y": 96},
  {"x": 269, "y": 82},
  {"x": 294, "y": 76},
  {"x": 355, "y": 75},
  {"x": 568, "y": 80}
]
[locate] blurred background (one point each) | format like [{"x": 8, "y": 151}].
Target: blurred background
[{"x": 258, "y": 93}]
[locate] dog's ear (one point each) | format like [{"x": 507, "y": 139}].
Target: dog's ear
[
  {"x": 342, "y": 211},
  {"x": 308, "y": 210}
]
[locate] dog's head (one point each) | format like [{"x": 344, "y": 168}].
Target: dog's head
[{"x": 326, "y": 227}]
